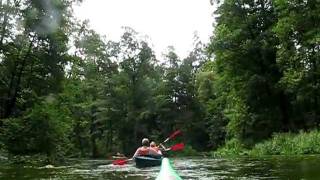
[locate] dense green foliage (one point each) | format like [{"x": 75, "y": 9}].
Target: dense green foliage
[
  {"x": 266, "y": 56},
  {"x": 67, "y": 91},
  {"x": 279, "y": 144},
  {"x": 289, "y": 144}
]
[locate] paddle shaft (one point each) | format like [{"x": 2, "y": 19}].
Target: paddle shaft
[
  {"x": 121, "y": 161},
  {"x": 173, "y": 135}
]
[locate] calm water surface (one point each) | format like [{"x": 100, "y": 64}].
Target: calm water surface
[{"x": 271, "y": 167}]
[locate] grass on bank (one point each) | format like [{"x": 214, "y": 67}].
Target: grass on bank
[{"x": 279, "y": 144}]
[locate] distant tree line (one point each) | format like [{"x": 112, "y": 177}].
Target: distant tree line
[{"x": 65, "y": 90}]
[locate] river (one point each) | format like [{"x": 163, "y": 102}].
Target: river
[{"x": 269, "y": 167}]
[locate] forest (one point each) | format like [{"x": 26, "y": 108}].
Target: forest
[{"x": 67, "y": 91}]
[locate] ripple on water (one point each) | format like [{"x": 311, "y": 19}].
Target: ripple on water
[{"x": 188, "y": 168}]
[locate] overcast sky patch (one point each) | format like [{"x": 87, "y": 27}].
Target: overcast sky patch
[{"x": 166, "y": 22}]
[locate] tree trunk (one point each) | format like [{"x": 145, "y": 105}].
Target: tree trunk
[
  {"x": 16, "y": 90},
  {"x": 315, "y": 79},
  {"x": 93, "y": 129},
  {"x": 109, "y": 143},
  {"x": 286, "y": 125},
  {"x": 4, "y": 23},
  {"x": 9, "y": 92},
  {"x": 94, "y": 149},
  {"x": 79, "y": 139}
]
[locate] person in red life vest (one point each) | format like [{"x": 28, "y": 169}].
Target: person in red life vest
[
  {"x": 145, "y": 150},
  {"x": 156, "y": 148},
  {"x": 119, "y": 156}
]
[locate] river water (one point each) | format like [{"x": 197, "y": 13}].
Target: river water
[{"x": 269, "y": 167}]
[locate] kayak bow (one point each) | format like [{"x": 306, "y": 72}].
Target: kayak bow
[{"x": 167, "y": 172}]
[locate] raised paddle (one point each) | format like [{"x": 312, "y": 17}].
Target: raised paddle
[
  {"x": 177, "y": 147},
  {"x": 173, "y": 135}
]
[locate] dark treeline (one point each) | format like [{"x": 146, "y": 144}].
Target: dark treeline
[{"x": 67, "y": 91}]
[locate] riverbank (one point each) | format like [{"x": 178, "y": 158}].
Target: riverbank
[
  {"x": 301, "y": 143},
  {"x": 279, "y": 144}
]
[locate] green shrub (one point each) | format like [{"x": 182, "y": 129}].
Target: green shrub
[
  {"x": 232, "y": 148},
  {"x": 43, "y": 129},
  {"x": 289, "y": 144}
]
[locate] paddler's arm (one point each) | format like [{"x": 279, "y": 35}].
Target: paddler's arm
[
  {"x": 154, "y": 152},
  {"x": 164, "y": 148},
  {"x": 136, "y": 153}
]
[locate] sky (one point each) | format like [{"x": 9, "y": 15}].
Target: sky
[{"x": 165, "y": 22}]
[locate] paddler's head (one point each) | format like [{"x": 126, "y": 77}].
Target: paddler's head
[
  {"x": 153, "y": 144},
  {"x": 145, "y": 142}
]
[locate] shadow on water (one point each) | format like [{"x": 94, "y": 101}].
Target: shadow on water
[{"x": 269, "y": 167}]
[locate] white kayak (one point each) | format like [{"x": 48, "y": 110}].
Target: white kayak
[{"x": 167, "y": 172}]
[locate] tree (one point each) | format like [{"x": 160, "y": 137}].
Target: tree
[
  {"x": 36, "y": 53},
  {"x": 33, "y": 57},
  {"x": 298, "y": 55},
  {"x": 212, "y": 100},
  {"x": 244, "y": 46},
  {"x": 135, "y": 78}
]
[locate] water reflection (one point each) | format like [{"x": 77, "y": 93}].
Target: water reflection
[{"x": 270, "y": 167}]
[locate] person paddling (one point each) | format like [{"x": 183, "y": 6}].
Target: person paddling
[
  {"x": 145, "y": 150},
  {"x": 119, "y": 156},
  {"x": 156, "y": 148}
]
